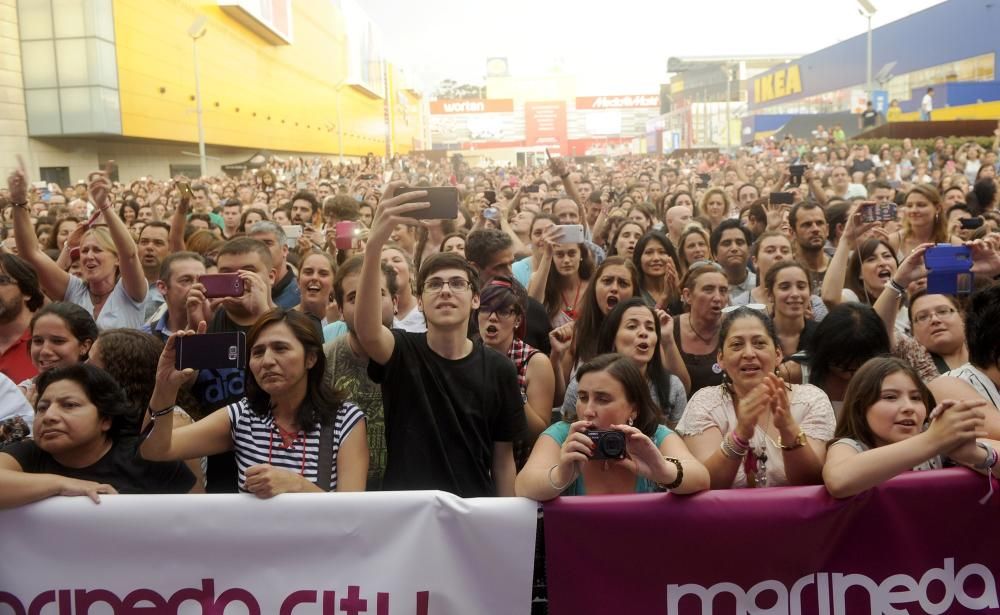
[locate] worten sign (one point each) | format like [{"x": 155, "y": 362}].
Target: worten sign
[
  {"x": 472, "y": 105},
  {"x": 782, "y": 82},
  {"x": 618, "y": 102}
]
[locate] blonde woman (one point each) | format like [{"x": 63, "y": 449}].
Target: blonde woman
[
  {"x": 111, "y": 286},
  {"x": 924, "y": 221},
  {"x": 714, "y": 205}
]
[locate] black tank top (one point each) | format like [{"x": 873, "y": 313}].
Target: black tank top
[{"x": 701, "y": 367}]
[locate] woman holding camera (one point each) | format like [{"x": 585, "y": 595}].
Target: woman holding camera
[
  {"x": 291, "y": 433},
  {"x": 618, "y": 428},
  {"x": 753, "y": 430}
]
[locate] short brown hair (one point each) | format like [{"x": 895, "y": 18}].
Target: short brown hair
[
  {"x": 341, "y": 207},
  {"x": 447, "y": 260}
]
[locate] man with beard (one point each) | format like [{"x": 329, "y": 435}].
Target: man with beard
[
  {"x": 154, "y": 246},
  {"x": 730, "y": 243},
  {"x": 808, "y": 222},
  {"x": 20, "y": 296},
  {"x": 347, "y": 361}
]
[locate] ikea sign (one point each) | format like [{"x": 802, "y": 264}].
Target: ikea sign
[{"x": 782, "y": 82}]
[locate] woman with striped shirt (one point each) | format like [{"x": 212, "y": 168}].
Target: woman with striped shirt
[{"x": 291, "y": 433}]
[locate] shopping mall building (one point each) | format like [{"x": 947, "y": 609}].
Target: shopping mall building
[
  {"x": 952, "y": 47},
  {"x": 85, "y": 81},
  {"x": 723, "y": 102}
]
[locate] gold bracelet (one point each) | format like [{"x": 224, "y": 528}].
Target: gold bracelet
[{"x": 800, "y": 441}]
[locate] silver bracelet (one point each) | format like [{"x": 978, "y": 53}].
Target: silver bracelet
[{"x": 553, "y": 484}]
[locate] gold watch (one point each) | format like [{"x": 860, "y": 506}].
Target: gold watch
[{"x": 800, "y": 441}]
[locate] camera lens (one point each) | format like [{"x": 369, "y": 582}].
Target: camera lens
[{"x": 612, "y": 444}]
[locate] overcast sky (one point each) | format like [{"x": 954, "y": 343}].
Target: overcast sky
[{"x": 612, "y": 46}]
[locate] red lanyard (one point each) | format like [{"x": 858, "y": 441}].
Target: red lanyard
[{"x": 301, "y": 435}]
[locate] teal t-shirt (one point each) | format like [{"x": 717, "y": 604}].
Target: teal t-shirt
[{"x": 560, "y": 431}]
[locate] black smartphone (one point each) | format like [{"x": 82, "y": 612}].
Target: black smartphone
[
  {"x": 971, "y": 224},
  {"x": 491, "y": 196},
  {"x": 781, "y": 198},
  {"x": 443, "y": 200},
  {"x": 212, "y": 351},
  {"x": 531, "y": 189}
]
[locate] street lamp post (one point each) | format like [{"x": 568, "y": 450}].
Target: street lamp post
[
  {"x": 196, "y": 31},
  {"x": 340, "y": 124},
  {"x": 867, "y": 10}
]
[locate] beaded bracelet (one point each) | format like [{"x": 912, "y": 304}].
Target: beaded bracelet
[{"x": 680, "y": 474}]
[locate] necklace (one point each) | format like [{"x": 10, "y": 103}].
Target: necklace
[
  {"x": 282, "y": 435},
  {"x": 570, "y": 309},
  {"x": 755, "y": 463},
  {"x": 698, "y": 335}
]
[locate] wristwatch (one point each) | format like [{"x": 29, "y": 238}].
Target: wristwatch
[{"x": 800, "y": 441}]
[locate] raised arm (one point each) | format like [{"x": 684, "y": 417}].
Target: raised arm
[
  {"x": 836, "y": 271},
  {"x": 133, "y": 279},
  {"x": 208, "y": 436},
  {"x": 887, "y": 305},
  {"x": 540, "y": 276},
  {"x": 179, "y": 220},
  {"x": 375, "y": 338},
  {"x": 52, "y": 279}
]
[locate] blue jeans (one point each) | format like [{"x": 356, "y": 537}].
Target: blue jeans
[{"x": 925, "y": 116}]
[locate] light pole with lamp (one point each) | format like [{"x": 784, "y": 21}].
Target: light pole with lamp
[
  {"x": 867, "y": 10},
  {"x": 196, "y": 31}
]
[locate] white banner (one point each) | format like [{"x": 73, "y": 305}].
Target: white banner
[{"x": 402, "y": 553}]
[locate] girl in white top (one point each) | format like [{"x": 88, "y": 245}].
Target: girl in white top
[
  {"x": 886, "y": 430},
  {"x": 754, "y": 430}
]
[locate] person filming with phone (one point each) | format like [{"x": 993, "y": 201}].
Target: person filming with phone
[
  {"x": 112, "y": 285},
  {"x": 290, "y": 433},
  {"x": 452, "y": 407}
]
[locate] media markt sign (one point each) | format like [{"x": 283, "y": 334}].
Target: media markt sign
[{"x": 618, "y": 102}]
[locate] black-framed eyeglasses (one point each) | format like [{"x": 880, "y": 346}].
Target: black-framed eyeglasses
[{"x": 436, "y": 285}]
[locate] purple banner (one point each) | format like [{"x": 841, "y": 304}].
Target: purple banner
[{"x": 921, "y": 543}]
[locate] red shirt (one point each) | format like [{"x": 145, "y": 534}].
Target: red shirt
[{"x": 16, "y": 363}]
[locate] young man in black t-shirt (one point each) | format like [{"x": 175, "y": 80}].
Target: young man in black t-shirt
[{"x": 452, "y": 407}]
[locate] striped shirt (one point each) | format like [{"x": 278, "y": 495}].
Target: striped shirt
[{"x": 257, "y": 440}]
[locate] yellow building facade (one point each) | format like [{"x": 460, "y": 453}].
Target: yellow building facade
[{"x": 291, "y": 77}]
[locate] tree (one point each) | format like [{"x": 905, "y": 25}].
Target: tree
[{"x": 451, "y": 89}]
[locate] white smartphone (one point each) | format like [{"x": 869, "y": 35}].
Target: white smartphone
[{"x": 570, "y": 233}]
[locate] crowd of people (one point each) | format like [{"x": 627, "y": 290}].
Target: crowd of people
[{"x": 593, "y": 326}]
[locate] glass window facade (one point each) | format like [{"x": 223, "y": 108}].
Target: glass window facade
[{"x": 69, "y": 65}]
